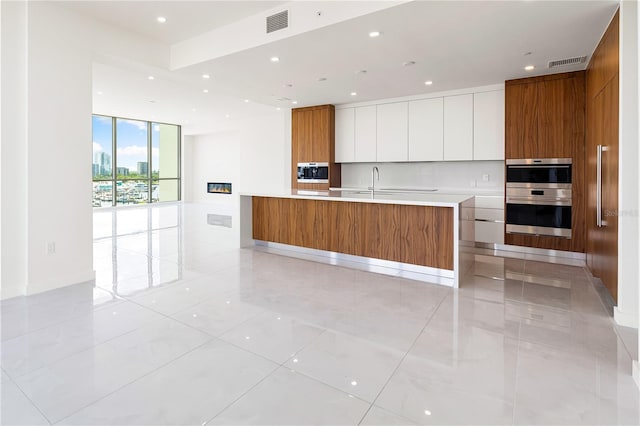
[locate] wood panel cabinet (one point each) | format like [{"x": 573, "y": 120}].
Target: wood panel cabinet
[
  {"x": 602, "y": 129},
  {"x": 426, "y": 130},
  {"x": 312, "y": 140},
  {"x": 420, "y": 235},
  {"x": 488, "y": 125},
  {"x": 427, "y": 236},
  {"x": 392, "y": 132},
  {"x": 545, "y": 118},
  {"x": 458, "y": 128}
]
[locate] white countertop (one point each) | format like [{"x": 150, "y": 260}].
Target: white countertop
[{"x": 435, "y": 199}]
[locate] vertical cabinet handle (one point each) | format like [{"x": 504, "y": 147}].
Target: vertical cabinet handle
[{"x": 599, "y": 221}]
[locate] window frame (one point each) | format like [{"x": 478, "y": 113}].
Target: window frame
[{"x": 149, "y": 179}]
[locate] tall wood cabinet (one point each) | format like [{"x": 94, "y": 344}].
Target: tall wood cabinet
[
  {"x": 545, "y": 118},
  {"x": 312, "y": 140},
  {"x": 602, "y": 129}
]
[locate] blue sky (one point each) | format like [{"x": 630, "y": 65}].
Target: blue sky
[{"x": 132, "y": 141}]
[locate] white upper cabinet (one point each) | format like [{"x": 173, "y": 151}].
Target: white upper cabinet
[
  {"x": 392, "y": 127},
  {"x": 345, "y": 135},
  {"x": 426, "y": 130},
  {"x": 365, "y": 134},
  {"x": 458, "y": 127},
  {"x": 488, "y": 125}
]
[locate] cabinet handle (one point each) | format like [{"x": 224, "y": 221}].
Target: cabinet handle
[{"x": 599, "y": 222}]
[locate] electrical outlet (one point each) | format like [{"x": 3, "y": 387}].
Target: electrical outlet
[
  {"x": 485, "y": 177},
  {"x": 51, "y": 248}
]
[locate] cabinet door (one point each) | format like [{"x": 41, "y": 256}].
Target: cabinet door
[
  {"x": 521, "y": 121},
  {"x": 392, "y": 128},
  {"x": 458, "y": 128},
  {"x": 488, "y": 125},
  {"x": 305, "y": 136},
  {"x": 426, "y": 141},
  {"x": 365, "y": 135},
  {"x": 345, "y": 135},
  {"x": 561, "y": 116},
  {"x": 320, "y": 135}
]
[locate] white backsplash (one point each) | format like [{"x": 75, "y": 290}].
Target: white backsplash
[{"x": 452, "y": 175}]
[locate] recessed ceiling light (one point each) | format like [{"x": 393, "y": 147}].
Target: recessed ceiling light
[
  {"x": 353, "y": 93},
  {"x": 278, "y": 109},
  {"x": 193, "y": 109},
  {"x": 408, "y": 63},
  {"x": 427, "y": 412},
  {"x": 275, "y": 59},
  {"x": 151, "y": 77},
  {"x": 227, "y": 116},
  {"x": 205, "y": 91},
  {"x": 428, "y": 83},
  {"x": 246, "y": 100},
  {"x": 527, "y": 53},
  {"x": 161, "y": 19},
  {"x": 294, "y": 102},
  {"x": 529, "y": 67},
  {"x": 99, "y": 92},
  {"x": 287, "y": 85},
  {"x": 361, "y": 72},
  {"x": 322, "y": 79},
  {"x": 373, "y": 34},
  {"x": 206, "y": 76}
]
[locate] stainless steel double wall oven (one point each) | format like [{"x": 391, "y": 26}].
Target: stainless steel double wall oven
[{"x": 539, "y": 197}]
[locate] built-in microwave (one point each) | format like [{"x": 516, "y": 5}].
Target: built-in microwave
[
  {"x": 539, "y": 200},
  {"x": 313, "y": 172}
]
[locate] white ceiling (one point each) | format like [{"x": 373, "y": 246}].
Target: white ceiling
[
  {"x": 185, "y": 19},
  {"x": 453, "y": 43}
]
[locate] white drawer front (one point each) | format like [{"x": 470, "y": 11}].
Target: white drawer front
[
  {"x": 489, "y": 232},
  {"x": 489, "y": 214},
  {"x": 490, "y": 202}
]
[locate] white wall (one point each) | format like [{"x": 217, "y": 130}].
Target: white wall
[
  {"x": 253, "y": 154},
  {"x": 455, "y": 175},
  {"x": 626, "y": 313},
  {"x": 47, "y": 55},
  {"x": 14, "y": 148}
]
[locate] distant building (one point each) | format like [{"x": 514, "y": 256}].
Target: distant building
[
  {"x": 122, "y": 171},
  {"x": 143, "y": 168},
  {"x": 96, "y": 169},
  {"x": 103, "y": 160}
]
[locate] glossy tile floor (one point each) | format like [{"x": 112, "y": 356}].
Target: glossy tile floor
[{"x": 183, "y": 328}]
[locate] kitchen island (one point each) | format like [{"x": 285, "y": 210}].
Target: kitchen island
[{"x": 421, "y": 236}]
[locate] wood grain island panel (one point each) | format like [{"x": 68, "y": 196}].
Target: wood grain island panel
[{"x": 418, "y": 235}]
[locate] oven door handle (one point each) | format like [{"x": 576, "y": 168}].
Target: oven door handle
[
  {"x": 538, "y": 166},
  {"x": 540, "y": 201}
]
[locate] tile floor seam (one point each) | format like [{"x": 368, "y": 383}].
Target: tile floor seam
[
  {"x": 395, "y": 370},
  {"x": 135, "y": 380},
  {"x": 27, "y": 397},
  {"x": 515, "y": 383},
  {"x": 243, "y": 394},
  {"x": 71, "y": 318}
]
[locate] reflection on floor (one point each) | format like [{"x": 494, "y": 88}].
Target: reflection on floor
[{"x": 184, "y": 328}]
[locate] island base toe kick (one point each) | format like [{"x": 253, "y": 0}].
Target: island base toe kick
[{"x": 420, "y": 242}]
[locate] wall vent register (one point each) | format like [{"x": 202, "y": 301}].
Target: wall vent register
[{"x": 539, "y": 197}]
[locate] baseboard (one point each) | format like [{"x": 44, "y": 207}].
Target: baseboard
[
  {"x": 625, "y": 318},
  {"x": 60, "y": 281}
]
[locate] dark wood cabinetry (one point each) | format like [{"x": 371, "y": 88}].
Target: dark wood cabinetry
[
  {"x": 545, "y": 118},
  {"x": 602, "y": 129},
  {"x": 419, "y": 235},
  {"x": 312, "y": 140}
]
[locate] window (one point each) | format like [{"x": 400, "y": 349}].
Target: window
[{"x": 134, "y": 161}]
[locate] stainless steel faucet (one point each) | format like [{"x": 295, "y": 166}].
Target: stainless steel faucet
[{"x": 374, "y": 173}]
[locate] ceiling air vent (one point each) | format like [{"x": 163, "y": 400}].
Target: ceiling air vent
[
  {"x": 568, "y": 61},
  {"x": 278, "y": 21}
]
